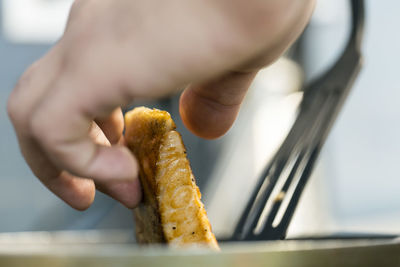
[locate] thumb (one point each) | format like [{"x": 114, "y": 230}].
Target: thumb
[{"x": 208, "y": 110}]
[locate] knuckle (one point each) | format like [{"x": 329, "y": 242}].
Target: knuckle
[
  {"x": 38, "y": 129},
  {"x": 35, "y": 127},
  {"x": 62, "y": 150},
  {"x": 16, "y": 103},
  {"x": 12, "y": 108},
  {"x": 42, "y": 130},
  {"x": 26, "y": 79}
]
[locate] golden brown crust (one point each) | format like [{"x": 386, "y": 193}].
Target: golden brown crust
[
  {"x": 171, "y": 210},
  {"x": 143, "y": 134}
]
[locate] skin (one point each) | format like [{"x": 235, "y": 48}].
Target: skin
[{"x": 66, "y": 108}]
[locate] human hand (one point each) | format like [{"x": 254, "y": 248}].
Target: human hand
[{"x": 66, "y": 107}]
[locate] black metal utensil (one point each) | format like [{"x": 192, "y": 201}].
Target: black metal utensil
[{"x": 275, "y": 197}]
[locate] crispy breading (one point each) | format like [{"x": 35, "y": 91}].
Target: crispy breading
[{"x": 171, "y": 210}]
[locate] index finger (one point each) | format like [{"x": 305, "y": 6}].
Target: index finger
[{"x": 61, "y": 124}]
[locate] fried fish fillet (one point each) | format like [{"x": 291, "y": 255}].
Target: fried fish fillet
[{"x": 171, "y": 211}]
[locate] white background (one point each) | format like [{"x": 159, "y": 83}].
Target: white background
[{"x": 34, "y": 21}]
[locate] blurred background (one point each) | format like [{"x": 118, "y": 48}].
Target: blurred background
[{"x": 354, "y": 188}]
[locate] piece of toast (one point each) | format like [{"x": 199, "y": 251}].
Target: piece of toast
[{"x": 171, "y": 211}]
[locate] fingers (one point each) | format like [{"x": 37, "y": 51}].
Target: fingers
[
  {"x": 126, "y": 192},
  {"x": 64, "y": 136},
  {"x": 36, "y": 112},
  {"x": 77, "y": 192},
  {"x": 112, "y": 126},
  {"x": 209, "y": 110}
]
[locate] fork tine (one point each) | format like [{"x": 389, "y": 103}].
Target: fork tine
[
  {"x": 282, "y": 163},
  {"x": 295, "y": 183},
  {"x": 263, "y": 228},
  {"x": 298, "y": 153}
]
